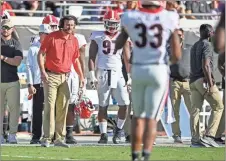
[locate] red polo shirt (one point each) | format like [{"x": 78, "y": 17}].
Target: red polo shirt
[{"x": 60, "y": 53}]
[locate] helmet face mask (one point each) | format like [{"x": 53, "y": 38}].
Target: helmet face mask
[
  {"x": 111, "y": 26},
  {"x": 111, "y": 22},
  {"x": 52, "y": 21}
]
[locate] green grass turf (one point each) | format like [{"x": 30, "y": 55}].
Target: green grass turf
[{"x": 108, "y": 153}]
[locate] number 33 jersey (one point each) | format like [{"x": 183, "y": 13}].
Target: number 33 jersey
[
  {"x": 149, "y": 31},
  {"x": 106, "y": 45}
]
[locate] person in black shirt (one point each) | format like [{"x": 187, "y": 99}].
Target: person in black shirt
[
  {"x": 11, "y": 57},
  {"x": 202, "y": 86}
]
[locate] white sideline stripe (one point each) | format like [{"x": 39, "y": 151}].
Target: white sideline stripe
[{"x": 34, "y": 157}]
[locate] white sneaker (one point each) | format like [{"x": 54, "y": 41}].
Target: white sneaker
[
  {"x": 12, "y": 139},
  {"x": 2, "y": 139}
]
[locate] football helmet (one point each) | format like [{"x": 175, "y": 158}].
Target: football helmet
[
  {"x": 45, "y": 28},
  {"x": 84, "y": 108},
  {"x": 150, "y": 2},
  {"x": 111, "y": 21},
  {"x": 52, "y": 21},
  {"x": 5, "y": 15}
]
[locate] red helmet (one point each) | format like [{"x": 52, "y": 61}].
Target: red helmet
[
  {"x": 5, "y": 15},
  {"x": 84, "y": 108},
  {"x": 111, "y": 21},
  {"x": 51, "y": 20}
]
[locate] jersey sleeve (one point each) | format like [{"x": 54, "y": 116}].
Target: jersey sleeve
[
  {"x": 81, "y": 40},
  {"x": 174, "y": 21}
]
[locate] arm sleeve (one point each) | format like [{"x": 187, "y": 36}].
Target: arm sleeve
[
  {"x": 174, "y": 21},
  {"x": 81, "y": 40},
  {"x": 29, "y": 63},
  {"x": 76, "y": 53}
]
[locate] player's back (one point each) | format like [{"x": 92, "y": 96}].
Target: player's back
[{"x": 149, "y": 32}]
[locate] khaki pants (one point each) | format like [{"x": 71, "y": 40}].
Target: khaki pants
[
  {"x": 56, "y": 94},
  {"x": 178, "y": 89},
  {"x": 198, "y": 94},
  {"x": 10, "y": 92}
]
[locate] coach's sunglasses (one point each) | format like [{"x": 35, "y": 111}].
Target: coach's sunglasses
[{"x": 6, "y": 28}]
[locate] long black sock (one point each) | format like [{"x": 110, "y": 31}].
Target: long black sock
[
  {"x": 135, "y": 156},
  {"x": 5, "y": 123},
  {"x": 146, "y": 155},
  {"x": 69, "y": 130}
]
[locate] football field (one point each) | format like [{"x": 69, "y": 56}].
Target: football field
[{"x": 88, "y": 149}]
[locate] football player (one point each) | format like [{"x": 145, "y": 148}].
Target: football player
[
  {"x": 73, "y": 83},
  {"x": 149, "y": 28},
  {"x": 109, "y": 79}
]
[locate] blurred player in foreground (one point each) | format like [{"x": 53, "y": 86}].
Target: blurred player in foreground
[
  {"x": 219, "y": 41},
  {"x": 149, "y": 29},
  {"x": 109, "y": 80}
]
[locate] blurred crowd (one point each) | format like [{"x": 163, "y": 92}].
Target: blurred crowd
[{"x": 183, "y": 7}]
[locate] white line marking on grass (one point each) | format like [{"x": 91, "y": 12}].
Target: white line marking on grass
[{"x": 36, "y": 157}]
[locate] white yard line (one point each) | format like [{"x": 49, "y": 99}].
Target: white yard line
[{"x": 36, "y": 157}]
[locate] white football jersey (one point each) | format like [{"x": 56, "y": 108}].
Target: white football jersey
[
  {"x": 106, "y": 46},
  {"x": 150, "y": 32},
  {"x": 81, "y": 40}
]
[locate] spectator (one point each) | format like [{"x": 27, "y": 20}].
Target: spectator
[
  {"x": 11, "y": 57},
  {"x": 119, "y": 6},
  {"x": 131, "y": 5},
  {"x": 202, "y": 85},
  {"x": 61, "y": 50},
  {"x": 7, "y": 6},
  {"x": 179, "y": 85},
  {"x": 33, "y": 6},
  {"x": 180, "y": 8},
  {"x": 215, "y": 9},
  {"x": 35, "y": 87},
  {"x": 197, "y": 7}
]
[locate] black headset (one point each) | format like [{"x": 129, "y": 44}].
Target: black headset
[{"x": 69, "y": 17}]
